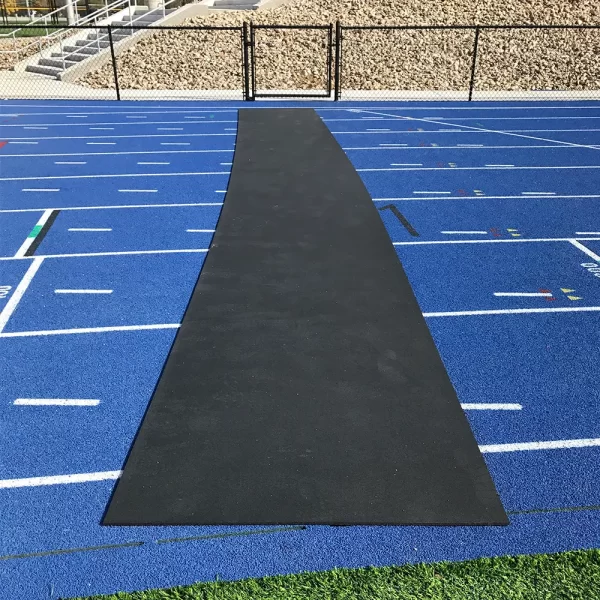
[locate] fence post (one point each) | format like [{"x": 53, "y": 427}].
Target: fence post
[
  {"x": 252, "y": 61},
  {"x": 474, "y": 64},
  {"x": 246, "y": 42},
  {"x": 338, "y": 60},
  {"x": 114, "y": 62}
]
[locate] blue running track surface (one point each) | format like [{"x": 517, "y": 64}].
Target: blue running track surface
[{"x": 492, "y": 210}]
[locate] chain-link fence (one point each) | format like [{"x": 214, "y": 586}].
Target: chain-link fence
[{"x": 131, "y": 61}]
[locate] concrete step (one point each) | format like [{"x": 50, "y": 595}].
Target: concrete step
[
  {"x": 116, "y": 35},
  {"x": 52, "y": 71},
  {"x": 90, "y": 50},
  {"x": 56, "y": 62},
  {"x": 102, "y": 42},
  {"x": 75, "y": 57}
]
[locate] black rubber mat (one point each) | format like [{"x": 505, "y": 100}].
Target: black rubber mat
[{"x": 303, "y": 386}]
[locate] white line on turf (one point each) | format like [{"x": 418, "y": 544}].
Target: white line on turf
[
  {"x": 491, "y": 406},
  {"x": 15, "y": 142},
  {"x": 549, "y": 445},
  {"x": 174, "y": 143},
  {"x": 584, "y": 249},
  {"x": 102, "y": 128},
  {"x": 90, "y": 330},
  {"x": 138, "y": 191},
  {"x": 110, "y": 206},
  {"x": 587, "y": 233},
  {"x": 510, "y": 311},
  {"x": 464, "y": 232},
  {"x": 200, "y": 230},
  {"x": 115, "y": 253},
  {"x": 40, "y": 189},
  {"x": 169, "y": 129},
  {"x": 14, "y": 300},
  {"x": 494, "y": 241},
  {"x": 55, "y": 402},
  {"x": 65, "y": 162},
  {"x": 154, "y": 163},
  {"x": 524, "y": 294},
  {"x": 77, "y": 116},
  {"x": 101, "y": 143},
  {"x": 59, "y": 479},
  {"x": 136, "y": 117},
  {"x": 89, "y": 229},
  {"x": 29, "y": 239},
  {"x": 81, "y": 291}
]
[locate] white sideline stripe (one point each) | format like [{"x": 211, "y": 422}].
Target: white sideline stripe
[
  {"x": 55, "y": 402},
  {"x": 29, "y": 240},
  {"x": 524, "y": 294},
  {"x": 464, "y": 232},
  {"x": 108, "y": 176},
  {"x": 491, "y": 406},
  {"x": 65, "y": 162},
  {"x": 370, "y": 130},
  {"x": 90, "y": 330},
  {"x": 109, "y": 206},
  {"x": 134, "y": 152},
  {"x": 486, "y": 197},
  {"x": 471, "y": 146},
  {"x": 550, "y": 445},
  {"x": 432, "y": 192},
  {"x": 59, "y": 479},
  {"x": 584, "y": 249},
  {"x": 116, "y": 253},
  {"x": 154, "y": 163},
  {"x": 141, "y": 191},
  {"x": 539, "y": 193},
  {"x": 200, "y": 230},
  {"x": 89, "y": 229},
  {"x": 499, "y": 165},
  {"x": 510, "y": 311},
  {"x": 14, "y": 300},
  {"x": 75, "y": 291},
  {"x": 40, "y": 189},
  {"x": 587, "y": 233},
  {"x": 494, "y": 241}
]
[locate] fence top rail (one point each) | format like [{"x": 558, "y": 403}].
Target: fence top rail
[
  {"x": 462, "y": 27},
  {"x": 129, "y": 27},
  {"x": 261, "y": 26}
]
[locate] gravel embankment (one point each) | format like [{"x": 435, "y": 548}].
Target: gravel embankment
[{"x": 376, "y": 60}]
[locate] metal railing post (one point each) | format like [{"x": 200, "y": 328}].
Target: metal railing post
[
  {"x": 246, "y": 66},
  {"x": 329, "y": 59},
  {"x": 338, "y": 60},
  {"x": 252, "y": 61},
  {"x": 114, "y": 62},
  {"x": 474, "y": 64}
]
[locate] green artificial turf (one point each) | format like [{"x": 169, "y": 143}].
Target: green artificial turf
[{"x": 564, "y": 576}]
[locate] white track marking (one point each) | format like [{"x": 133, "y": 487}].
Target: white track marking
[
  {"x": 220, "y": 191},
  {"x": 550, "y": 445},
  {"x": 89, "y": 229},
  {"x": 15, "y": 142},
  {"x": 111, "y": 175},
  {"x": 494, "y": 241},
  {"x": 457, "y": 147},
  {"x": 114, "y": 137},
  {"x": 101, "y": 143},
  {"x": 102, "y": 128},
  {"x": 511, "y": 311},
  {"x": 139, "y": 191},
  {"x": 584, "y": 249},
  {"x": 477, "y": 146},
  {"x": 29, "y": 127},
  {"x": 539, "y": 193},
  {"x": 14, "y": 300},
  {"x": 367, "y": 130},
  {"x": 110, "y": 206},
  {"x": 174, "y": 143},
  {"x": 524, "y": 294},
  {"x": 116, "y": 253},
  {"x": 154, "y": 163},
  {"x": 90, "y": 330},
  {"x": 40, "y": 189},
  {"x": 65, "y": 162},
  {"x": 587, "y": 233},
  {"x": 395, "y": 145},
  {"x": 486, "y": 197},
  {"x": 229, "y": 128},
  {"x": 432, "y": 192},
  {"x": 55, "y": 402},
  {"x": 491, "y": 406},
  {"x": 499, "y": 165},
  {"x": 77, "y": 116},
  {"x": 29, "y": 240},
  {"x": 127, "y": 153},
  {"x": 200, "y": 230},
  {"x": 59, "y": 479},
  {"x": 137, "y": 117},
  {"x": 226, "y": 163},
  {"x": 488, "y": 168},
  {"x": 194, "y": 117},
  {"x": 169, "y": 129},
  {"x": 406, "y": 164},
  {"x": 82, "y": 291},
  {"x": 464, "y": 232}
]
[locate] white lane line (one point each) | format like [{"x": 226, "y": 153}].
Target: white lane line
[
  {"x": 420, "y": 192},
  {"x": 55, "y": 402},
  {"x": 139, "y": 191},
  {"x": 89, "y": 229},
  {"x": 396, "y": 145},
  {"x": 494, "y": 241},
  {"x": 230, "y": 128},
  {"x": 82, "y": 291},
  {"x": 170, "y": 129},
  {"x": 539, "y": 193},
  {"x": 587, "y": 233},
  {"x": 461, "y": 146},
  {"x": 464, "y": 232},
  {"x": 406, "y": 164},
  {"x": 136, "y": 117},
  {"x": 584, "y": 249},
  {"x": 174, "y": 143},
  {"x": 549, "y": 445},
  {"x": 33, "y": 143},
  {"x": 448, "y": 130},
  {"x": 511, "y": 311},
  {"x": 220, "y": 191},
  {"x": 116, "y": 253},
  {"x": 486, "y": 197},
  {"x": 110, "y": 206},
  {"x": 14, "y": 300},
  {"x": 35, "y": 128},
  {"x": 365, "y": 118},
  {"x": 34, "y": 233},
  {"x": 491, "y": 406},
  {"x": 487, "y": 168},
  {"x": 499, "y": 165},
  {"x": 524, "y": 294},
  {"x": 59, "y": 479},
  {"x": 90, "y": 330},
  {"x": 200, "y": 230},
  {"x": 102, "y": 128},
  {"x": 126, "y": 153},
  {"x": 154, "y": 163},
  {"x": 69, "y": 162},
  {"x": 226, "y": 163},
  {"x": 77, "y": 116},
  {"x": 101, "y": 143},
  {"x": 40, "y": 190},
  {"x": 194, "y": 117},
  {"x": 367, "y": 130}
]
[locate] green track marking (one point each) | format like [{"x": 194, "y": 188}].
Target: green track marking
[{"x": 35, "y": 231}]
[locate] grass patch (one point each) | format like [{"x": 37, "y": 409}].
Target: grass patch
[{"x": 564, "y": 576}]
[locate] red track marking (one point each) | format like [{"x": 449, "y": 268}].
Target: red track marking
[{"x": 2, "y": 144}]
